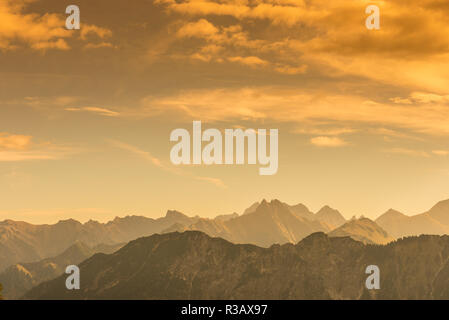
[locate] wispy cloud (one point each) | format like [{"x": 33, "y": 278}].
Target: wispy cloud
[
  {"x": 249, "y": 61},
  {"x": 65, "y": 103},
  {"x": 97, "y": 110},
  {"x": 332, "y": 131},
  {"x": 15, "y": 156},
  {"x": 408, "y": 152},
  {"x": 215, "y": 181},
  {"x": 300, "y": 106},
  {"x": 167, "y": 167},
  {"x": 386, "y": 132},
  {"x": 328, "y": 142},
  {"x": 14, "y": 141},
  {"x": 440, "y": 152},
  {"x": 17, "y": 147},
  {"x": 141, "y": 153}
]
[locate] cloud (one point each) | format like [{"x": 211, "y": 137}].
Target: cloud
[
  {"x": 17, "y": 147},
  {"x": 250, "y": 61},
  {"x": 426, "y": 97},
  {"x": 298, "y": 106},
  {"x": 143, "y": 154},
  {"x": 215, "y": 181},
  {"x": 14, "y": 141},
  {"x": 338, "y": 26},
  {"x": 60, "y": 44},
  {"x": 158, "y": 163},
  {"x": 201, "y": 29},
  {"x": 232, "y": 44},
  {"x": 97, "y": 110},
  {"x": 286, "y": 69},
  {"x": 15, "y": 156},
  {"x": 422, "y": 98},
  {"x": 410, "y": 49},
  {"x": 408, "y": 152},
  {"x": 67, "y": 103},
  {"x": 400, "y": 100},
  {"x": 39, "y": 32},
  {"x": 64, "y": 103},
  {"x": 440, "y": 152},
  {"x": 324, "y": 131},
  {"x": 99, "y": 45},
  {"x": 328, "y": 142},
  {"x": 92, "y": 30},
  {"x": 37, "y": 152},
  {"x": 394, "y": 134}
]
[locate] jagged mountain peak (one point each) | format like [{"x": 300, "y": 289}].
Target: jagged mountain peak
[
  {"x": 251, "y": 208},
  {"x": 330, "y": 216},
  {"x": 273, "y": 206},
  {"x": 174, "y": 214},
  {"x": 326, "y": 209},
  {"x": 364, "y": 230}
]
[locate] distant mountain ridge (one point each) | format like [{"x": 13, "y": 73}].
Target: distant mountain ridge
[
  {"x": 364, "y": 230},
  {"x": 23, "y": 242},
  {"x": 330, "y": 216},
  {"x": 19, "y": 278},
  {"x": 269, "y": 223},
  {"x": 434, "y": 221},
  {"x": 263, "y": 223},
  {"x": 192, "y": 265}
]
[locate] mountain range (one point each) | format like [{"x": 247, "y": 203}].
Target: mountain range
[
  {"x": 267, "y": 223},
  {"x": 25, "y": 248},
  {"x": 21, "y": 242},
  {"x": 19, "y": 278},
  {"x": 434, "y": 221},
  {"x": 263, "y": 223},
  {"x": 192, "y": 265},
  {"x": 364, "y": 230}
]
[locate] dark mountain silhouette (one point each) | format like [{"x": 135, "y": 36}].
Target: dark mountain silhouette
[
  {"x": 19, "y": 278},
  {"x": 24, "y": 242},
  {"x": 192, "y": 265}
]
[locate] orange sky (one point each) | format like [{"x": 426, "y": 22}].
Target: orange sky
[{"x": 85, "y": 115}]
